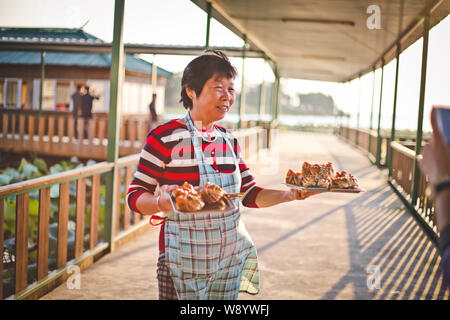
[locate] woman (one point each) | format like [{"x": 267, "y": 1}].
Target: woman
[{"x": 202, "y": 256}]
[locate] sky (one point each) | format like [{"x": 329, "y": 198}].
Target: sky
[{"x": 180, "y": 22}]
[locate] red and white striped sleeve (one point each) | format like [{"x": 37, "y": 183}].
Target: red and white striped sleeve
[{"x": 149, "y": 170}]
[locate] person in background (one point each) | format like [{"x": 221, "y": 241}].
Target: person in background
[
  {"x": 435, "y": 163},
  {"x": 76, "y": 98},
  {"x": 86, "y": 105},
  {"x": 152, "y": 116}
]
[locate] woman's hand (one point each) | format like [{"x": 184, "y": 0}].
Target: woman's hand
[
  {"x": 164, "y": 203},
  {"x": 296, "y": 194}
]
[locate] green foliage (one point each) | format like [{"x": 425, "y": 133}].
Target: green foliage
[
  {"x": 41, "y": 165},
  {"x": 25, "y": 172}
]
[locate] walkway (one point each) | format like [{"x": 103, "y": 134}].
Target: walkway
[{"x": 330, "y": 246}]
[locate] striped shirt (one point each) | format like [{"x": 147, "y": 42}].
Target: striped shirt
[{"x": 168, "y": 158}]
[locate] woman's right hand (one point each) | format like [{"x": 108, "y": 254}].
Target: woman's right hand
[{"x": 165, "y": 205}]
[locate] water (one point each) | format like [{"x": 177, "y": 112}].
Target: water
[{"x": 288, "y": 120}]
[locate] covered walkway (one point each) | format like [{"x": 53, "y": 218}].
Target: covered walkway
[{"x": 328, "y": 247}]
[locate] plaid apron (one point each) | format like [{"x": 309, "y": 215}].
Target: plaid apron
[{"x": 211, "y": 256}]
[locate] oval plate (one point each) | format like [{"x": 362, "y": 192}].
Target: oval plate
[{"x": 355, "y": 190}]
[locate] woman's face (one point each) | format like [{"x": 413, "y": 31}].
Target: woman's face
[{"x": 215, "y": 100}]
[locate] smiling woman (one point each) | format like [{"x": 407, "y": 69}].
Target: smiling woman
[
  {"x": 213, "y": 92},
  {"x": 202, "y": 255}
]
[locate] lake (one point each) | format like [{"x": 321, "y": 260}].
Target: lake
[
  {"x": 288, "y": 120},
  {"x": 402, "y": 123}
]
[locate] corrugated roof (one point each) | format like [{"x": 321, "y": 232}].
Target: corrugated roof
[{"x": 100, "y": 60}]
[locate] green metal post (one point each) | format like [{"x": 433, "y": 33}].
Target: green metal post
[
  {"x": 371, "y": 111},
  {"x": 262, "y": 98},
  {"x": 116, "y": 81},
  {"x": 277, "y": 96},
  {"x": 423, "y": 76},
  {"x": 41, "y": 84},
  {"x": 378, "y": 154},
  {"x": 358, "y": 111},
  {"x": 208, "y": 23},
  {"x": 242, "y": 96},
  {"x": 394, "y": 110}
]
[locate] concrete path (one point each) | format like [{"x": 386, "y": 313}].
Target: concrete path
[{"x": 331, "y": 246}]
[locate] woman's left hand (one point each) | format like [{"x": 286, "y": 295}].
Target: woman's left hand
[{"x": 296, "y": 194}]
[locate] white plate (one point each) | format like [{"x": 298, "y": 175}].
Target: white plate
[{"x": 356, "y": 190}]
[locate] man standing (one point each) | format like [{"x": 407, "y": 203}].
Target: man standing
[
  {"x": 86, "y": 108},
  {"x": 76, "y": 98},
  {"x": 153, "y": 117}
]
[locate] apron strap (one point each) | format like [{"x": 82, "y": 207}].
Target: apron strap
[
  {"x": 156, "y": 217},
  {"x": 195, "y": 136}
]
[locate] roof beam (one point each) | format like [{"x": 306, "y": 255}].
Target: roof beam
[{"x": 94, "y": 47}]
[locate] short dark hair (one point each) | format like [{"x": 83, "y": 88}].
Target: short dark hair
[{"x": 202, "y": 68}]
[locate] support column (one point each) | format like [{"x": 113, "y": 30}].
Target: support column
[
  {"x": 154, "y": 74},
  {"x": 208, "y": 23},
  {"x": 358, "y": 111},
  {"x": 115, "y": 104},
  {"x": 378, "y": 154},
  {"x": 277, "y": 97},
  {"x": 262, "y": 97},
  {"x": 155, "y": 84},
  {"x": 371, "y": 111},
  {"x": 394, "y": 110},
  {"x": 423, "y": 77},
  {"x": 242, "y": 96},
  {"x": 41, "y": 84}
]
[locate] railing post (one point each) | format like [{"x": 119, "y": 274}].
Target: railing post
[
  {"x": 423, "y": 76},
  {"x": 394, "y": 111},
  {"x": 116, "y": 80},
  {"x": 378, "y": 154},
  {"x": 242, "y": 96}
]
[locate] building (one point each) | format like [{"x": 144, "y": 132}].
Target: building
[{"x": 20, "y": 73}]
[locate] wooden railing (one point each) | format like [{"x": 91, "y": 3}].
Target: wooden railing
[
  {"x": 403, "y": 162},
  {"x": 403, "y": 159},
  {"x": 367, "y": 141},
  {"x": 55, "y": 133},
  {"x": 57, "y": 221}
]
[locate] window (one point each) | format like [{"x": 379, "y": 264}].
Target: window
[
  {"x": 63, "y": 93},
  {"x": 48, "y": 94},
  {"x": 97, "y": 88},
  {"x": 13, "y": 92}
]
